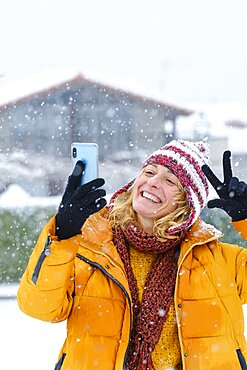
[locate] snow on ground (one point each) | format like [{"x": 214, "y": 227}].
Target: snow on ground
[
  {"x": 25, "y": 342},
  {"x": 16, "y": 197}
]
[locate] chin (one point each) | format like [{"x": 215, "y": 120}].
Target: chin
[{"x": 144, "y": 214}]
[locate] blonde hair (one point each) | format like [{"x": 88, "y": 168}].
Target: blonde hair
[{"x": 123, "y": 213}]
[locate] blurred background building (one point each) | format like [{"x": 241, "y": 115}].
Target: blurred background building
[{"x": 41, "y": 118}]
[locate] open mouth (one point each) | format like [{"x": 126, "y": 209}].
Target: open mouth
[{"x": 151, "y": 197}]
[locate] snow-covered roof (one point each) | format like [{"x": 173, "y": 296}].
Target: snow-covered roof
[
  {"x": 218, "y": 117},
  {"x": 29, "y": 85},
  {"x": 24, "y": 88}
]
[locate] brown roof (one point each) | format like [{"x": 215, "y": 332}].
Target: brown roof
[{"x": 81, "y": 79}]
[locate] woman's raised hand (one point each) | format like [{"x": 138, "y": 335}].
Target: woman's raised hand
[
  {"x": 232, "y": 192},
  {"x": 78, "y": 203}
]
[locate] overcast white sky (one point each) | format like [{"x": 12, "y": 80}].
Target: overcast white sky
[{"x": 185, "y": 50}]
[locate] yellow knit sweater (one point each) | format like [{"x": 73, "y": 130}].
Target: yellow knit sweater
[{"x": 167, "y": 351}]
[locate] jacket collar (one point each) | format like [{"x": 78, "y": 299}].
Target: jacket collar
[
  {"x": 200, "y": 233},
  {"x": 98, "y": 235}
]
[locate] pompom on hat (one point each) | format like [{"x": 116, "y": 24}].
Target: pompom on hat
[{"x": 185, "y": 159}]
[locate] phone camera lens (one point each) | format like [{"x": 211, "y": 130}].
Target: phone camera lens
[{"x": 74, "y": 153}]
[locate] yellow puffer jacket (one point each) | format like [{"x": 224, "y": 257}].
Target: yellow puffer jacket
[{"x": 82, "y": 279}]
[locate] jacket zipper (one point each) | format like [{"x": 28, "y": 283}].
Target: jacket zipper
[
  {"x": 60, "y": 362},
  {"x": 94, "y": 264},
  {"x": 46, "y": 252}
]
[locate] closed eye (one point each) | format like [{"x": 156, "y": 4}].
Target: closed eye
[
  {"x": 171, "y": 182},
  {"x": 151, "y": 173}
]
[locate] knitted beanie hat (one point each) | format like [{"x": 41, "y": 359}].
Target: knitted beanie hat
[{"x": 185, "y": 159}]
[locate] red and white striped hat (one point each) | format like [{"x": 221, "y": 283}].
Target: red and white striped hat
[{"x": 185, "y": 159}]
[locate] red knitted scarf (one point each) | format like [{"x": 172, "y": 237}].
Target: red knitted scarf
[{"x": 150, "y": 314}]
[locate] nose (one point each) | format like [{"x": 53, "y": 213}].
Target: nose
[{"x": 154, "y": 181}]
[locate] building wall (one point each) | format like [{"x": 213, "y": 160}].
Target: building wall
[{"x": 124, "y": 126}]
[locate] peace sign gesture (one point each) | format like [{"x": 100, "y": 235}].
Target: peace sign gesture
[{"x": 232, "y": 192}]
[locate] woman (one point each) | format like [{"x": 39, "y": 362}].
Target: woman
[{"x": 144, "y": 283}]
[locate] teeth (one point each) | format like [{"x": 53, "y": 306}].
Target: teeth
[{"x": 151, "y": 197}]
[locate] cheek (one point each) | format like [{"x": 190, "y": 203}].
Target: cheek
[
  {"x": 134, "y": 196},
  {"x": 170, "y": 191},
  {"x": 171, "y": 196},
  {"x": 137, "y": 185}
]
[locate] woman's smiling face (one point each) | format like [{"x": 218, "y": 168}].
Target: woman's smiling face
[{"x": 153, "y": 194}]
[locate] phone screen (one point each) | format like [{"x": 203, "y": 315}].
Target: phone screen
[{"x": 88, "y": 153}]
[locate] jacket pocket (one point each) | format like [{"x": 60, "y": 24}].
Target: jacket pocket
[
  {"x": 60, "y": 362},
  {"x": 241, "y": 360}
]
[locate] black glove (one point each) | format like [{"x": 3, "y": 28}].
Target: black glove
[
  {"x": 232, "y": 192},
  {"x": 78, "y": 202}
]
